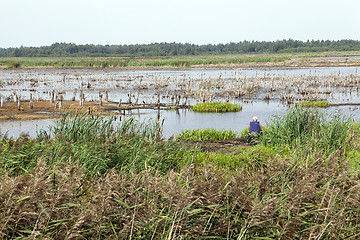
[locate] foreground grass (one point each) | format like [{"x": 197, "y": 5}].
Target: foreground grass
[
  {"x": 96, "y": 143},
  {"x": 122, "y": 181}
]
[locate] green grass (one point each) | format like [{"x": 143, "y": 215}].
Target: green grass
[
  {"x": 309, "y": 130},
  {"x": 248, "y": 158},
  {"x": 97, "y": 144},
  {"x": 174, "y": 61},
  {"x": 85, "y": 126},
  {"x": 205, "y": 134},
  {"x": 319, "y": 104},
  {"x": 102, "y": 62},
  {"x": 216, "y": 107}
]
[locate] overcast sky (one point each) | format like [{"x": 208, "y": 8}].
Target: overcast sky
[{"x": 43, "y": 22}]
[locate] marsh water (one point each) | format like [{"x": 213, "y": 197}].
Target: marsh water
[{"x": 144, "y": 84}]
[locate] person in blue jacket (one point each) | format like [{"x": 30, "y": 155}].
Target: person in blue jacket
[
  {"x": 254, "y": 131},
  {"x": 254, "y": 126}
]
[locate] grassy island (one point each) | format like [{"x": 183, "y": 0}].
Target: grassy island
[
  {"x": 216, "y": 107},
  {"x": 319, "y": 104}
]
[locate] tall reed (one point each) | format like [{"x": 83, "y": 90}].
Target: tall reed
[
  {"x": 85, "y": 126},
  {"x": 97, "y": 144},
  {"x": 308, "y": 128}
]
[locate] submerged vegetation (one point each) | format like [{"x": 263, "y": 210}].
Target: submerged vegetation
[
  {"x": 216, "y": 107},
  {"x": 95, "y": 177}
]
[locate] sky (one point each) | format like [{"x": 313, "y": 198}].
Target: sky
[{"x": 34, "y": 23}]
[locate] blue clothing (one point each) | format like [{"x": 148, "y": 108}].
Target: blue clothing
[{"x": 255, "y": 126}]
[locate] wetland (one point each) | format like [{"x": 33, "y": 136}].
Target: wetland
[
  {"x": 119, "y": 153},
  {"x": 30, "y": 97}
]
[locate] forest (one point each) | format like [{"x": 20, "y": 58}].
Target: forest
[{"x": 180, "y": 49}]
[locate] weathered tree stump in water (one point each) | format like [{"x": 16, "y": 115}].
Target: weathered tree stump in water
[{"x": 31, "y": 104}]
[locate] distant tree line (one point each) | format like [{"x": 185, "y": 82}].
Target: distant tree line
[{"x": 180, "y": 49}]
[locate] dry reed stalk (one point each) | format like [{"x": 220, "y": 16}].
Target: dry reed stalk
[
  {"x": 18, "y": 103},
  {"x": 280, "y": 198}
]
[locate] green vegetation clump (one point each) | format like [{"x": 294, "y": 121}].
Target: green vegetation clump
[
  {"x": 309, "y": 130},
  {"x": 216, "y": 107},
  {"x": 245, "y": 158},
  {"x": 319, "y": 104},
  {"x": 95, "y": 143},
  {"x": 205, "y": 134}
]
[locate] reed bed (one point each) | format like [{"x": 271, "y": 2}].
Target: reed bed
[
  {"x": 281, "y": 199},
  {"x": 309, "y": 130},
  {"x": 85, "y": 126},
  {"x": 119, "y": 185},
  {"x": 205, "y": 134},
  {"x": 97, "y": 144},
  {"x": 216, "y": 107}
]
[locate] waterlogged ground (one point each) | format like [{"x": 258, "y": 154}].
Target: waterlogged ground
[
  {"x": 184, "y": 82},
  {"x": 262, "y": 92}
]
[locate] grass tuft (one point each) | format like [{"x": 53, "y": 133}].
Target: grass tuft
[
  {"x": 216, "y": 107},
  {"x": 308, "y": 129},
  {"x": 205, "y": 134},
  {"x": 319, "y": 104}
]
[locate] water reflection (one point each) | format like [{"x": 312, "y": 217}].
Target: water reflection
[{"x": 30, "y": 127}]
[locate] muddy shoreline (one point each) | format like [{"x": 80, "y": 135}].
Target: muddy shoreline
[{"x": 48, "y": 110}]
